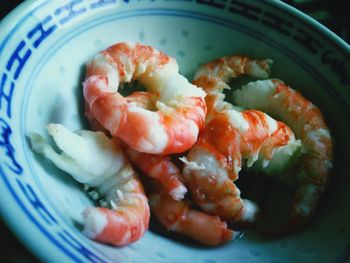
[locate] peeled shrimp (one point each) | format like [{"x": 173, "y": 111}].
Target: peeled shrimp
[
  {"x": 161, "y": 169},
  {"x": 93, "y": 159},
  {"x": 166, "y": 121},
  {"x": 178, "y": 217},
  {"x": 213, "y": 164},
  {"x": 214, "y": 75},
  {"x": 306, "y": 120},
  {"x": 168, "y": 205}
]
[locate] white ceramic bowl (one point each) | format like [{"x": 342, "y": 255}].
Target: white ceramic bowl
[{"x": 43, "y": 48}]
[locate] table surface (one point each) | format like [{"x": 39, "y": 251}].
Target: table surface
[{"x": 331, "y": 13}]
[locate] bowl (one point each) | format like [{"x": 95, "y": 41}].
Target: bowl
[{"x": 44, "y": 47}]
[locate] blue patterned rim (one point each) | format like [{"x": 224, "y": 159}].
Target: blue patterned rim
[{"x": 63, "y": 239}]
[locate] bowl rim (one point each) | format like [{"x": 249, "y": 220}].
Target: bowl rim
[
  {"x": 12, "y": 20},
  {"x": 324, "y": 31}
]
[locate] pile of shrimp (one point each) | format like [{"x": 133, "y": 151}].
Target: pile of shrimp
[{"x": 175, "y": 150}]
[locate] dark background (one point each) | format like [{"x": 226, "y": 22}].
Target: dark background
[
  {"x": 11, "y": 250},
  {"x": 331, "y": 13}
]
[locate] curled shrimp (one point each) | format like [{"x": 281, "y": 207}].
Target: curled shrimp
[
  {"x": 95, "y": 160},
  {"x": 231, "y": 135},
  {"x": 306, "y": 120},
  {"x": 168, "y": 205},
  {"x": 214, "y": 75},
  {"x": 174, "y": 112},
  {"x": 161, "y": 169},
  {"x": 158, "y": 167},
  {"x": 178, "y": 217},
  {"x": 213, "y": 163}
]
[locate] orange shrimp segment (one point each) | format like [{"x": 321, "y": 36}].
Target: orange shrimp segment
[
  {"x": 171, "y": 116},
  {"x": 161, "y": 169},
  {"x": 306, "y": 120},
  {"x": 214, "y": 75},
  {"x": 214, "y": 162},
  {"x": 122, "y": 224},
  {"x": 229, "y": 137},
  {"x": 177, "y": 216}
]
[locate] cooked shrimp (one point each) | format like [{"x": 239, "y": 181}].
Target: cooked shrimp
[
  {"x": 170, "y": 119},
  {"x": 161, "y": 169},
  {"x": 93, "y": 159},
  {"x": 172, "y": 213},
  {"x": 214, "y": 75},
  {"x": 158, "y": 167},
  {"x": 178, "y": 217},
  {"x": 306, "y": 120},
  {"x": 213, "y": 164}
]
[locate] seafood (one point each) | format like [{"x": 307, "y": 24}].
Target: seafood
[
  {"x": 215, "y": 138},
  {"x": 165, "y": 121},
  {"x": 161, "y": 169},
  {"x": 306, "y": 120},
  {"x": 168, "y": 206},
  {"x": 214, "y": 75},
  {"x": 230, "y": 136},
  {"x": 93, "y": 159},
  {"x": 178, "y": 217},
  {"x": 213, "y": 163}
]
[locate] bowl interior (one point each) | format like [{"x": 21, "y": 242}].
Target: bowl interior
[{"x": 47, "y": 88}]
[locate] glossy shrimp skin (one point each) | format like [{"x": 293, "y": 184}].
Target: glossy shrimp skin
[
  {"x": 231, "y": 136},
  {"x": 306, "y": 120},
  {"x": 177, "y": 216},
  {"x": 95, "y": 160},
  {"x": 213, "y": 164},
  {"x": 214, "y": 76},
  {"x": 170, "y": 119},
  {"x": 161, "y": 169},
  {"x": 168, "y": 204}
]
